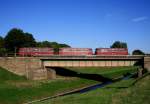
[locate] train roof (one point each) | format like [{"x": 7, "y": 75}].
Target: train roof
[
  {"x": 109, "y": 48},
  {"x": 75, "y": 48}
]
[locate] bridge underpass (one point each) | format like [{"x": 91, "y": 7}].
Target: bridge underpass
[{"x": 87, "y": 61}]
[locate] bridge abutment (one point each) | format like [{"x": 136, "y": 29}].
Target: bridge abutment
[
  {"x": 51, "y": 74},
  {"x": 147, "y": 63}
]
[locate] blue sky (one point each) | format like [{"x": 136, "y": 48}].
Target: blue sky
[{"x": 80, "y": 23}]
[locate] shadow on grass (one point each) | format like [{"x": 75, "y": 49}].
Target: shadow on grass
[
  {"x": 137, "y": 79},
  {"x": 69, "y": 73}
]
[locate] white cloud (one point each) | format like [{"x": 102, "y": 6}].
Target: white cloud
[{"x": 139, "y": 19}]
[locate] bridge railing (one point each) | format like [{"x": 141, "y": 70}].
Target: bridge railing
[{"x": 95, "y": 57}]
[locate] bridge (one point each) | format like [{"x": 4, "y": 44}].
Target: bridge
[
  {"x": 38, "y": 67},
  {"x": 90, "y": 61}
]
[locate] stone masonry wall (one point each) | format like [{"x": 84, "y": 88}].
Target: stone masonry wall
[
  {"x": 20, "y": 65},
  {"x": 147, "y": 63}
]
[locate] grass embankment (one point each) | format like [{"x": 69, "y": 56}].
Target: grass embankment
[
  {"x": 109, "y": 72},
  {"x": 16, "y": 89},
  {"x": 118, "y": 93},
  {"x": 6, "y": 75}
]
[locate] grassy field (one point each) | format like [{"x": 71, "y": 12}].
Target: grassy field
[
  {"x": 118, "y": 93},
  {"x": 16, "y": 89}
]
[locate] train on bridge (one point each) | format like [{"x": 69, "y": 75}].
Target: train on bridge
[{"x": 36, "y": 51}]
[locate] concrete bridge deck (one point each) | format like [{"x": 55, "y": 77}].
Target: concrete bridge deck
[
  {"x": 57, "y": 57},
  {"x": 90, "y": 61}
]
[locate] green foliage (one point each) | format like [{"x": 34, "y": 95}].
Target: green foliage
[
  {"x": 1, "y": 42},
  {"x": 16, "y": 38},
  {"x": 29, "y": 40},
  {"x": 138, "y": 52},
  {"x": 43, "y": 44},
  {"x": 2, "y": 51},
  {"x": 63, "y": 45},
  {"x": 118, "y": 44},
  {"x": 111, "y": 72},
  {"x": 118, "y": 93},
  {"x": 16, "y": 90},
  {"x": 13, "y": 39},
  {"x": 2, "y": 47},
  {"x": 54, "y": 45},
  {"x": 6, "y": 76}
]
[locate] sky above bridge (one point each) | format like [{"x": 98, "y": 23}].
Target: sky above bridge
[{"x": 80, "y": 23}]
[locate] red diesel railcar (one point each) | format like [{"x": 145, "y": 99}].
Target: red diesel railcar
[
  {"x": 111, "y": 51},
  {"x": 34, "y": 51},
  {"x": 75, "y": 51}
]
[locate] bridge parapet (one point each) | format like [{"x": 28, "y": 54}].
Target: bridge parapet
[
  {"x": 58, "y": 57},
  {"x": 90, "y": 61}
]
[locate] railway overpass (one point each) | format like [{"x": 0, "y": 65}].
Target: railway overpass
[
  {"x": 37, "y": 67},
  {"x": 90, "y": 61}
]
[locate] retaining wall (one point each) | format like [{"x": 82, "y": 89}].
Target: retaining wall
[
  {"x": 20, "y": 65},
  {"x": 147, "y": 63}
]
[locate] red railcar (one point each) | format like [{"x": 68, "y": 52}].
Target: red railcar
[
  {"x": 75, "y": 51},
  {"x": 111, "y": 51},
  {"x": 34, "y": 51}
]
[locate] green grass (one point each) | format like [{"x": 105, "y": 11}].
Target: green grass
[
  {"x": 16, "y": 89},
  {"x": 6, "y": 75},
  {"x": 112, "y": 94},
  {"x": 110, "y": 72},
  {"x": 20, "y": 94}
]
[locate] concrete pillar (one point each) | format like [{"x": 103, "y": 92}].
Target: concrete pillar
[
  {"x": 51, "y": 74},
  {"x": 39, "y": 74},
  {"x": 140, "y": 72},
  {"x": 28, "y": 69},
  {"x": 30, "y": 74}
]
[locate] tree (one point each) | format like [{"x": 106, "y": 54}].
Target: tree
[
  {"x": 2, "y": 49},
  {"x": 16, "y": 38},
  {"x": 54, "y": 45},
  {"x": 13, "y": 39},
  {"x": 43, "y": 44},
  {"x": 118, "y": 44},
  {"x": 63, "y": 45},
  {"x": 1, "y": 42},
  {"x": 29, "y": 40},
  {"x": 138, "y": 52}
]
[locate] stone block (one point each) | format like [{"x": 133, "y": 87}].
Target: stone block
[{"x": 51, "y": 74}]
